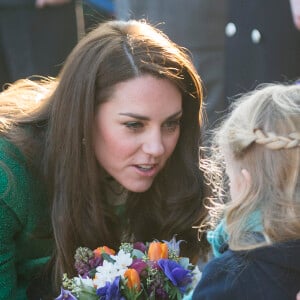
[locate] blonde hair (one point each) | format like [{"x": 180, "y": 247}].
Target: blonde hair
[{"x": 262, "y": 135}]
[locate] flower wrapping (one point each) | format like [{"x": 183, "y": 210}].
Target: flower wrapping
[{"x": 137, "y": 271}]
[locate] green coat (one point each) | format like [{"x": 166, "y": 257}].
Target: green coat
[{"x": 25, "y": 243}]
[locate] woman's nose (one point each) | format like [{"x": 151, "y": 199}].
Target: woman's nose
[{"x": 153, "y": 144}]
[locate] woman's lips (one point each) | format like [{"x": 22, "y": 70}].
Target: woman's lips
[{"x": 148, "y": 170}]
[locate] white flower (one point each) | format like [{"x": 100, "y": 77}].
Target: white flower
[
  {"x": 107, "y": 273},
  {"x": 122, "y": 260},
  {"x": 85, "y": 281},
  {"x": 196, "y": 276}
]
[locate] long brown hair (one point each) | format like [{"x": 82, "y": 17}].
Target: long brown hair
[{"x": 114, "y": 52}]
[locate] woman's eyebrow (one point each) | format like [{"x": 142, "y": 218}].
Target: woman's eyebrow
[
  {"x": 135, "y": 116},
  {"x": 177, "y": 114},
  {"x": 144, "y": 118}
]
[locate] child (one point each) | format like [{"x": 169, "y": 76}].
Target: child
[{"x": 257, "y": 242}]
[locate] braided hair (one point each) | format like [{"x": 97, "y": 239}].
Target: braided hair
[{"x": 262, "y": 135}]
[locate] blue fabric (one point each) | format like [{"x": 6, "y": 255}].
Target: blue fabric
[
  {"x": 265, "y": 273},
  {"x": 218, "y": 238}
]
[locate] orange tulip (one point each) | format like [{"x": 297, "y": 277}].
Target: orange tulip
[
  {"x": 100, "y": 250},
  {"x": 133, "y": 279},
  {"x": 157, "y": 250}
]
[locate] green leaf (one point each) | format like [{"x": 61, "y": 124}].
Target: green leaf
[
  {"x": 137, "y": 253},
  {"x": 108, "y": 257},
  {"x": 88, "y": 293},
  {"x": 92, "y": 273},
  {"x": 184, "y": 262},
  {"x": 131, "y": 293}
]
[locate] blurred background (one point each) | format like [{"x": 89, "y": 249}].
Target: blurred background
[{"x": 235, "y": 44}]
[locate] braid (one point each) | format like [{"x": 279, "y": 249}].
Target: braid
[{"x": 276, "y": 142}]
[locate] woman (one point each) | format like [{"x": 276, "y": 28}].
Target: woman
[{"x": 110, "y": 151}]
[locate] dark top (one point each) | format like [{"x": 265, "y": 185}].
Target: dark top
[
  {"x": 265, "y": 273},
  {"x": 19, "y": 3},
  {"x": 264, "y": 47}
]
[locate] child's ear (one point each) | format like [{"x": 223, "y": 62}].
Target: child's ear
[{"x": 247, "y": 176}]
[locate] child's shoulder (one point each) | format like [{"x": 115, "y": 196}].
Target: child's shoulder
[{"x": 271, "y": 272}]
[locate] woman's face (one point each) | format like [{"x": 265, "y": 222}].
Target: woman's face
[{"x": 137, "y": 129}]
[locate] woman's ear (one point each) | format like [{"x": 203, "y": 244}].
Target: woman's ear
[{"x": 247, "y": 176}]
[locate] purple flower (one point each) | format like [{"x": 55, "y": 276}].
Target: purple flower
[
  {"x": 95, "y": 262},
  {"x": 140, "y": 246},
  {"x": 139, "y": 265},
  {"x": 156, "y": 290},
  {"x": 82, "y": 268},
  {"x": 110, "y": 291},
  {"x": 65, "y": 295},
  {"x": 179, "y": 276},
  {"x": 160, "y": 293},
  {"x": 174, "y": 245},
  {"x": 82, "y": 257}
]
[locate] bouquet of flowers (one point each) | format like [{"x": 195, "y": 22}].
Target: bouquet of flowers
[{"x": 137, "y": 271}]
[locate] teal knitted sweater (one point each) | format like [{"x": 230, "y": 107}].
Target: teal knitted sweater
[{"x": 24, "y": 224}]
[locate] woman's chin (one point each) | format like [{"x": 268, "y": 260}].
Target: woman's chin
[{"x": 138, "y": 187}]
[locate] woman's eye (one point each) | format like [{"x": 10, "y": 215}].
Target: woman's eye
[
  {"x": 134, "y": 125},
  {"x": 171, "y": 126}
]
